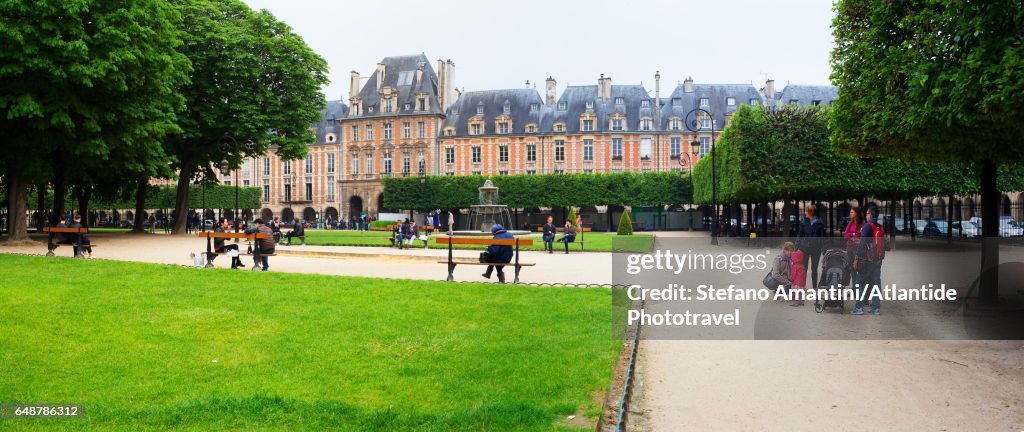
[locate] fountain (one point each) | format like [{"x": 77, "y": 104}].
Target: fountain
[{"x": 486, "y": 214}]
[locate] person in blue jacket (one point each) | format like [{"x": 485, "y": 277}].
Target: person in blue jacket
[{"x": 498, "y": 253}]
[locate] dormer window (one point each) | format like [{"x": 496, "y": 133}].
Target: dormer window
[
  {"x": 677, "y": 102},
  {"x": 531, "y": 129},
  {"x": 675, "y": 124},
  {"x": 506, "y": 107},
  {"x": 503, "y": 128},
  {"x": 388, "y": 105},
  {"x": 474, "y": 129},
  {"x": 646, "y": 103},
  {"x": 480, "y": 110},
  {"x": 704, "y": 102},
  {"x": 794, "y": 101},
  {"x": 407, "y": 107},
  {"x": 588, "y": 125},
  {"x": 620, "y": 101},
  {"x": 561, "y": 106},
  {"x": 559, "y": 127},
  {"x": 730, "y": 101},
  {"x": 753, "y": 102},
  {"x": 421, "y": 103},
  {"x": 590, "y": 105},
  {"x": 534, "y": 107},
  {"x": 616, "y": 124},
  {"x": 645, "y": 124},
  {"x": 449, "y": 131}
]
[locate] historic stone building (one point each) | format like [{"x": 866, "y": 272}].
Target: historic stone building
[{"x": 407, "y": 118}]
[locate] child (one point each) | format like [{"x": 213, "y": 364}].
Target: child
[{"x": 798, "y": 277}]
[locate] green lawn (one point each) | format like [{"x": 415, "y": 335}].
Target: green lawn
[
  {"x": 595, "y": 242},
  {"x": 157, "y": 347}
]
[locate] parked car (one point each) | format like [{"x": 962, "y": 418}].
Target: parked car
[
  {"x": 966, "y": 229},
  {"x": 935, "y": 228},
  {"x": 1007, "y": 226}
]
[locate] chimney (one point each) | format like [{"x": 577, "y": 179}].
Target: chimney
[
  {"x": 527, "y": 84},
  {"x": 604, "y": 86},
  {"x": 380, "y": 74},
  {"x": 657, "y": 89},
  {"x": 353, "y": 85},
  {"x": 688, "y": 85},
  {"x": 549, "y": 91},
  {"x": 419, "y": 75},
  {"x": 446, "y": 90},
  {"x": 769, "y": 89}
]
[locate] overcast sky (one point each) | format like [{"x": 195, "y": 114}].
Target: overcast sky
[{"x": 502, "y": 45}]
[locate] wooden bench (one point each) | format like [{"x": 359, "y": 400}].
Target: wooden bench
[
  {"x": 210, "y": 235},
  {"x": 78, "y": 242},
  {"x": 579, "y": 233},
  {"x": 452, "y": 262}
]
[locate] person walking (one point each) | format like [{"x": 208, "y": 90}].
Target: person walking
[
  {"x": 549, "y": 235},
  {"x": 810, "y": 240},
  {"x": 498, "y": 253},
  {"x": 264, "y": 246},
  {"x": 868, "y": 263},
  {"x": 570, "y": 235},
  {"x": 797, "y": 278},
  {"x": 852, "y": 235}
]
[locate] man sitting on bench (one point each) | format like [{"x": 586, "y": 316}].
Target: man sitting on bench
[
  {"x": 569, "y": 237},
  {"x": 499, "y": 253},
  {"x": 297, "y": 231},
  {"x": 220, "y": 247},
  {"x": 85, "y": 240},
  {"x": 264, "y": 246}
]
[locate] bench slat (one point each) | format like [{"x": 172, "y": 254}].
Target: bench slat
[
  {"x": 483, "y": 241},
  {"x": 212, "y": 234},
  {"x": 462, "y": 262},
  {"x": 66, "y": 230}
]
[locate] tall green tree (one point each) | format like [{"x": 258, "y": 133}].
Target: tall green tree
[
  {"x": 81, "y": 80},
  {"x": 934, "y": 81},
  {"x": 255, "y": 85}
]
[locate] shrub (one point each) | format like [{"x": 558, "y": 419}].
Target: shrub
[
  {"x": 572, "y": 216},
  {"x": 625, "y": 223}
]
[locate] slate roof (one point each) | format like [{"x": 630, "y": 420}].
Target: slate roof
[
  {"x": 330, "y": 121},
  {"x": 805, "y": 95},
  {"x": 717, "y": 95},
  {"x": 493, "y": 104},
  {"x": 400, "y": 67}
]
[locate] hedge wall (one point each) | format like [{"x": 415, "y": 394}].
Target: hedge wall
[
  {"x": 548, "y": 190},
  {"x": 785, "y": 153},
  {"x": 217, "y": 196}
]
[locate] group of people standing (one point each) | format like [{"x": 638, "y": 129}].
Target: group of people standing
[{"x": 864, "y": 257}]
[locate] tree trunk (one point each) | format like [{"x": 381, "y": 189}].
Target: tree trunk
[
  {"x": 83, "y": 194},
  {"x": 140, "y": 206},
  {"x": 988, "y": 292},
  {"x": 181, "y": 198},
  {"x": 60, "y": 191},
  {"x": 17, "y": 202}
]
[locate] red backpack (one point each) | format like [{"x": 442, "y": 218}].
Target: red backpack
[{"x": 876, "y": 249}]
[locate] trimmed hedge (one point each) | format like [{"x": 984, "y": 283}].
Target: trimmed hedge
[
  {"x": 547, "y": 190},
  {"x": 625, "y": 224},
  {"x": 162, "y": 197},
  {"x": 785, "y": 153}
]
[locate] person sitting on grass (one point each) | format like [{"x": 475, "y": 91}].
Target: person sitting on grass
[
  {"x": 498, "y": 253},
  {"x": 297, "y": 231},
  {"x": 220, "y": 248},
  {"x": 569, "y": 237},
  {"x": 264, "y": 246}
]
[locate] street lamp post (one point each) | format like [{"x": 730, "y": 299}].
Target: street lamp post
[{"x": 695, "y": 127}]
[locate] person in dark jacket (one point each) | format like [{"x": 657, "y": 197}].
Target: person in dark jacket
[
  {"x": 297, "y": 231},
  {"x": 810, "y": 241},
  {"x": 77, "y": 223},
  {"x": 569, "y": 235},
  {"x": 219, "y": 245},
  {"x": 264, "y": 246},
  {"x": 549, "y": 235},
  {"x": 869, "y": 269},
  {"x": 499, "y": 253}
]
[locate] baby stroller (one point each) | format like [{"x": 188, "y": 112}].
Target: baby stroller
[{"x": 834, "y": 268}]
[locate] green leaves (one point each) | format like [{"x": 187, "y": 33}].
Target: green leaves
[{"x": 549, "y": 190}]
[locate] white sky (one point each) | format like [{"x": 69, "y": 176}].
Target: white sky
[{"x": 502, "y": 45}]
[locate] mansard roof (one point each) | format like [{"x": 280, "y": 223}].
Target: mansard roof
[
  {"x": 681, "y": 102},
  {"x": 805, "y": 95},
  {"x": 492, "y": 102},
  {"x": 330, "y": 121},
  {"x": 400, "y": 74}
]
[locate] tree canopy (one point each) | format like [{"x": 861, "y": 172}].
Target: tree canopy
[
  {"x": 255, "y": 84},
  {"x": 80, "y": 81}
]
